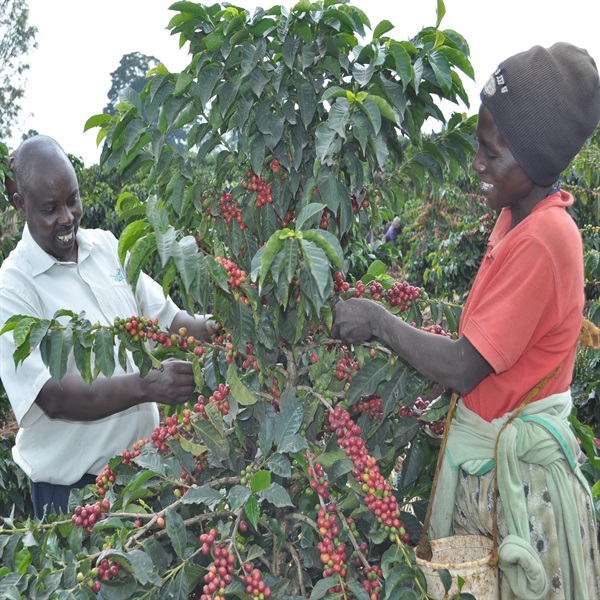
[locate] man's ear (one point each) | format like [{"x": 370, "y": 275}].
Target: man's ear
[{"x": 18, "y": 202}]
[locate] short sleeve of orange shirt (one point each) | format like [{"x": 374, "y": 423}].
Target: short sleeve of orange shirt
[{"x": 525, "y": 308}]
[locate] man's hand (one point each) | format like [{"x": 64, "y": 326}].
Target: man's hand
[
  {"x": 354, "y": 320},
  {"x": 173, "y": 384}
]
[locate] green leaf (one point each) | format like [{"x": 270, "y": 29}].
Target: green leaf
[
  {"x": 215, "y": 441},
  {"x": 441, "y": 68},
  {"x": 307, "y": 101},
  {"x": 183, "y": 81},
  {"x": 280, "y": 465},
  {"x": 61, "y": 342},
  {"x": 328, "y": 243},
  {"x": 277, "y": 495},
  {"x": 271, "y": 249},
  {"x": 391, "y": 557},
  {"x": 310, "y": 210},
  {"x": 96, "y": 121},
  {"x": 176, "y": 531},
  {"x": 22, "y": 331},
  {"x": 371, "y": 109},
  {"x": 137, "y": 485},
  {"x": 266, "y": 434},
  {"x": 238, "y": 496},
  {"x": 288, "y": 422},
  {"x": 398, "y": 584},
  {"x": 260, "y": 481},
  {"x": 202, "y": 495},
  {"x": 193, "y": 449},
  {"x": 215, "y": 416},
  {"x": 340, "y": 117},
  {"x": 383, "y": 27},
  {"x": 322, "y": 587},
  {"x": 366, "y": 381},
  {"x": 252, "y": 511},
  {"x": 358, "y": 590},
  {"x": 104, "y": 352},
  {"x": 140, "y": 253},
  {"x": 403, "y": 63},
  {"x": 178, "y": 588},
  {"x": 384, "y": 108},
  {"x": 411, "y": 466},
  {"x": 315, "y": 272},
  {"x": 328, "y": 144},
  {"x": 83, "y": 361},
  {"x": 238, "y": 390}
]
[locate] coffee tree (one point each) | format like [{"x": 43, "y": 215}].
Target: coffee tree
[{"x": 302, "y": 467}]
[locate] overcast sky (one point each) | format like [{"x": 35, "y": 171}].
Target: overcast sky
[{"x": 80, "y": 43}]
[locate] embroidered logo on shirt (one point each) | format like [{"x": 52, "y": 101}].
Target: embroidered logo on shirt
[{"x": 118, "y": 275}]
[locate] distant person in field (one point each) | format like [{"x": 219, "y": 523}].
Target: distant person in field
[
  {"x": 391, "y": 235},
  {"x": 518, "y": 336},
  {"x": 69, "y": 430}
]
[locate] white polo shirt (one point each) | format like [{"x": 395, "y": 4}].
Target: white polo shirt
[{"x": 33, "y": 283}]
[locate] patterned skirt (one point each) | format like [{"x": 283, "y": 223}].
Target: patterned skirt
[{"x": 473, "y": 514}]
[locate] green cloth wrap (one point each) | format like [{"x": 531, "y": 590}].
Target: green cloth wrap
[{"x": 539, "y": 435}]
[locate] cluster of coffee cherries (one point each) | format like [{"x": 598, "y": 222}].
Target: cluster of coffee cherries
[
  {"x": 403, "y": 294},
  {"x": 105, "y": 571},
  {"x": 420, "y": 406},
  {"x": 376, "y": 290},
  {"x": 207, "y": 540},
  {"x": 275, "y": 166},
  {"x": 250, "y": 361},
  {"x": 255, "y": 586},
  {"x": 318, "y": 481},
  {"x": 253, "y": 183},
  {"x": 104, "y": 479},
  {"x": 437, "y": 330},
  {"x": 346, "y": 368},
  {"x": 378, "y": 495},
  {"x": 160, "y": 433},
  {"x": 371, "y": 405},
  {"x": 129, "y": 455},
  {"x": 324, "y": 222},
  {"x": 332, "y": 550},
  {"x": 360, "y": 289},
  {"x": 220, "y": 574},
  {"x": 339, "y": 285},
  {"x": 140, "y": 328},
  {"x": 201, "y": 463},
  {"x": 220, "y": 398},
  {"x": 236, "y": 276},
  {"x": 86, "y": 516},
  {"x": 372, "y": 581},
  {"x": 358, "y": 204},
  {"x": 230, "y": 209}
]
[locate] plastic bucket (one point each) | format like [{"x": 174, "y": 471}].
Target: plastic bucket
[{"x": 466, "y": 556}]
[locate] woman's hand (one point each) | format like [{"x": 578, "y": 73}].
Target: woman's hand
[{"x": 355, "y": 320}]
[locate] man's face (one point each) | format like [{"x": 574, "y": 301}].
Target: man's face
[{"x": 51, "y": 206}]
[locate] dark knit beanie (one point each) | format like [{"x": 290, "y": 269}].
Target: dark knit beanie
[{"x": 546, "y": 104}]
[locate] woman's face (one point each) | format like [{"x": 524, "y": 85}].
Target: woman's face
[{"x": 503, "y": 181}]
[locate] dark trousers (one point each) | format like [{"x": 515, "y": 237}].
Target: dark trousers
[{"x": 48, "y": 496}]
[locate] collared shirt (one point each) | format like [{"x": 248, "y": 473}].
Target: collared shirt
[
  {"x": 524, "y": 311},
  {"x": 36, "y": 284}
]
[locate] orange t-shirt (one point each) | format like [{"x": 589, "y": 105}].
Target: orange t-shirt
[{"x": 524, "y": 311}]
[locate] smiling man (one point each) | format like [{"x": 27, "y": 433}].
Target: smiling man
[{"x": 69, "y": 430}]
